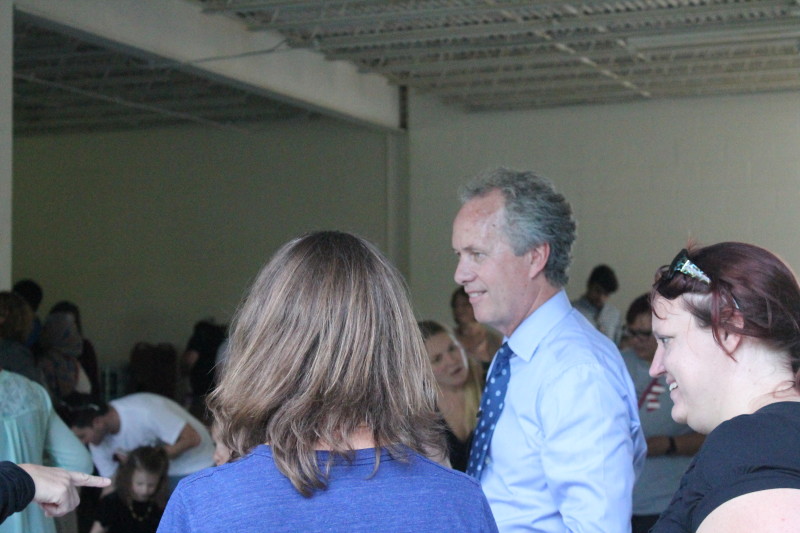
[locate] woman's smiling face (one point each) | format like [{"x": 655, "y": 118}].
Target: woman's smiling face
[{"x": 693, "y": 363}]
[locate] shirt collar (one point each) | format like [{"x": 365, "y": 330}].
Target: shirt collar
[{"x": 529, "y": 334}]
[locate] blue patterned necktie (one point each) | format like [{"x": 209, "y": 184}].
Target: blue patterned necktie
[{"x": 492, "y": 404}]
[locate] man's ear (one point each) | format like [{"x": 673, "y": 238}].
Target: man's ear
[{"x": 538, "y": 257}]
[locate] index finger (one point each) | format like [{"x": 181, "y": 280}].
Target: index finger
[{"x": 80, "y": 479}]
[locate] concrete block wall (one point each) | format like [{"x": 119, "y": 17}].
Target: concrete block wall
[{"x": 642, "y": 179}]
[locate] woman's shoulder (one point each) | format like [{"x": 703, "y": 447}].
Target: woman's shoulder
[
  {"x": 746, "y": 454},
  {"x": 763, "y": 441},
  {"x": 427, "y": 474},
  {"x": 259, "y": 457},
  {"x": 20, "y": 395},
  {"x": 776, "y": 419}
]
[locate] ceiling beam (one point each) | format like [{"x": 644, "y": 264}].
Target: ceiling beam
[{"x": 217, "y": 47}]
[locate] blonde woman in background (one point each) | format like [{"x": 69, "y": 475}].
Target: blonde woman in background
[
  {"x": 459, "y": 395},
  {"x": 480, "y": 342}
]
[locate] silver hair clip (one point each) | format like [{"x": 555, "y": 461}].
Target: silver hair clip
[{"x": 683, "y": 265}]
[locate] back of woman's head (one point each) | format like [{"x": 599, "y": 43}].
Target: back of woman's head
[
  {"x": 150, "y": 459},
  {"x": 749, "y": 291},
  {"x": 325, "y": 345},
  {"x": 65, "y": 306},
  {"x": 60, "y": 333}
]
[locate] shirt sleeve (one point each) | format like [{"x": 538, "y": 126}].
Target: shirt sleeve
[
  {"x": 588, "y": 450},
  {"x": 489, "y": 525},
  {"x": 175, "y": 517},
  {"x": 16, "y": 489},
  {"x": 64, "y": 448},
  {"x": 166, "y": 425},
  {"x": 103, "y": 459},
  {"x": 736, "y": 459}
]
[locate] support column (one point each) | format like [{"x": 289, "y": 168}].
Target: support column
[{"x": 6, "y": 129}]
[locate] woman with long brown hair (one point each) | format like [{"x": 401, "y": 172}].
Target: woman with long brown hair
[{"x": 327, "y": 403}]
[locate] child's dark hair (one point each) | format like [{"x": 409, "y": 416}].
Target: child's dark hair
[{"x": 150, "y": 459}]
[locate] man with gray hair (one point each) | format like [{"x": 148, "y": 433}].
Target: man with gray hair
[{"x": 558, "y": 443}]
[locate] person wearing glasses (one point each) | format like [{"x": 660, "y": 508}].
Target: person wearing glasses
[
  {"x": 670, "y": 445},
  {"x": 727, "y": 321},
  {"x": 327, "y": 404}
]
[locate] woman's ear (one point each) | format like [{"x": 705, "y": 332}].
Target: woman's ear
[{"x": 730, "y": 340}]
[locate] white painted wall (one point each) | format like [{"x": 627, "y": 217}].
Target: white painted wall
[
  {"x": 149, "y": 231},
  {"x": 642, "y": 178}
]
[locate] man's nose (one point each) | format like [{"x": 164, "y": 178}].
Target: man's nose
[{"x": 463, "y": 273}]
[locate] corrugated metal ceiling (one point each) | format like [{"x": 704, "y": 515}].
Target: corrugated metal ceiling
[{"x": 475, "y": 54}]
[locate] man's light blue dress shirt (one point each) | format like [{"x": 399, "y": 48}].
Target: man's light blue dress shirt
[{"x": 568, "y": 444}]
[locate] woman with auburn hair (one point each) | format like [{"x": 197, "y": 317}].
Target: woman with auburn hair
[
  {"x": 727, "y": 321},
  {"x": 327, "y": 404},
  {"x": 459, "y": 383}
]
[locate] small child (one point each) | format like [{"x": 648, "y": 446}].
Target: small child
[{"x": 138, "y": 503}]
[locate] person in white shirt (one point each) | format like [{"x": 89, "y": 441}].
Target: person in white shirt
[{"x": 142, "y": 419}]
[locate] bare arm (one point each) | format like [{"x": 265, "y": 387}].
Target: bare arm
[
  {"x": 57, "y": 489},
  {"x": 97, "y": 527},
  {"x": 188, "y": 438},
  {"x": 765, "y": 511},
  {"x": 687, "y": 445},
  {"x": 188, "y": 360}
]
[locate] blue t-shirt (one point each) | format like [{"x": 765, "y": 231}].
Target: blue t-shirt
[{"x": 251, "y": 495}]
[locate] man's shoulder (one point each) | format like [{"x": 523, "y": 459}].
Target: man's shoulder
[
  {"x": 574, "y": 345},
  {"x": 573, "y": 337}
]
